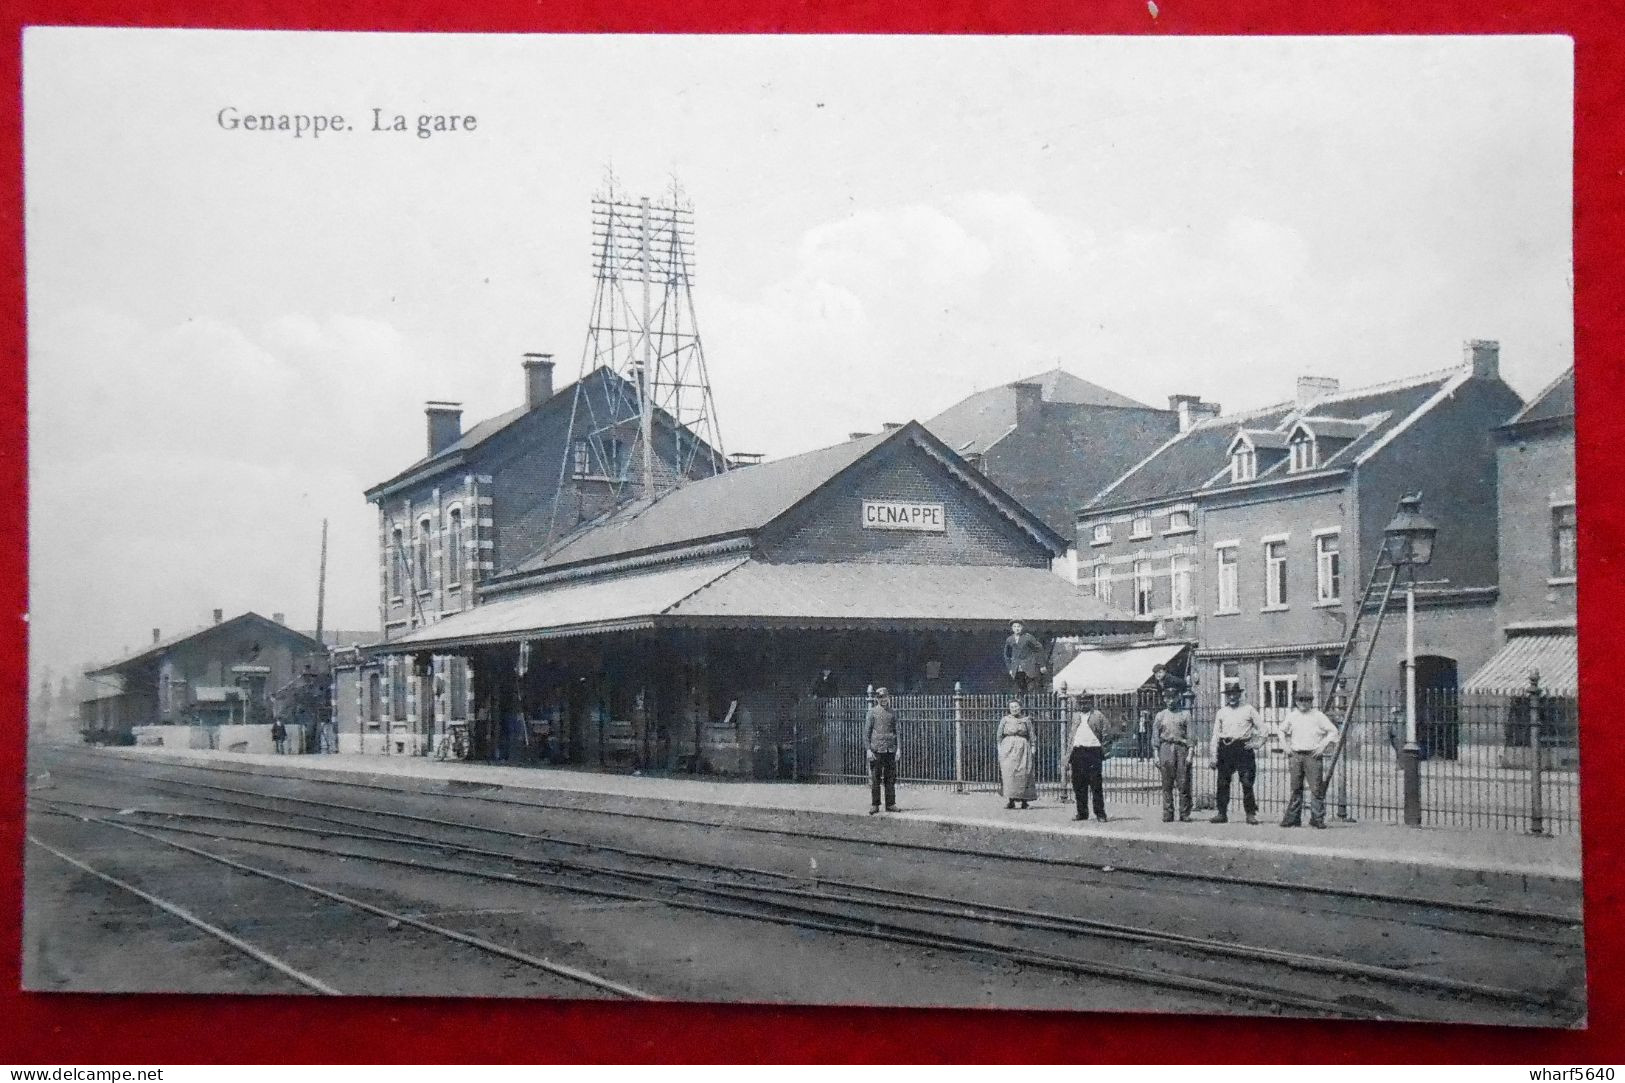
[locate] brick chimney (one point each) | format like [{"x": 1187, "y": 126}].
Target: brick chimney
[
  {"x": 890, "y": 426},
  {"x": 219, "y": 615},
  {"x": 538, "y": 378},
  {"x": 1483, "y": 357},
  {"x": 445, "y": 424},
  {"x": 1192, "y": 410},
  {"x": 1311, "y": 388},
  {"x": 155, "y": 635},
  {"x": 1029, "y": 401},
  {"x": 280, "y": 618},
  {"x": 858, "y": 435}
]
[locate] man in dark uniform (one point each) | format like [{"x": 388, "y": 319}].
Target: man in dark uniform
[
  {"x": 1023, "y": 658},
  {"x": 881, "y": 741}
]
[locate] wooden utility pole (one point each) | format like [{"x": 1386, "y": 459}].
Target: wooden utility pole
[{"x": 321, "y": 587}]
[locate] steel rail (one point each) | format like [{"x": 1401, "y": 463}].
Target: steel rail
[
  {"x": 257, "y": 954},
  {"x": 559, "y": 969},
  {"x": 1484, "y": 909},
  {"x": 819, "y": 921},
  {"x": 611, "y": 848},
  {"x": 1015, "y": 917}
]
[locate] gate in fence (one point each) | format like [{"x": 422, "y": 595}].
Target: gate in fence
[{"x": 1479, "y": 751}]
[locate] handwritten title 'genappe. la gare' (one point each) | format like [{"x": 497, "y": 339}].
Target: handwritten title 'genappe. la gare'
[{"x": 316, "y": 125}]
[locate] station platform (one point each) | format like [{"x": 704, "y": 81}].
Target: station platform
[{"x": 1489, "y": 867}]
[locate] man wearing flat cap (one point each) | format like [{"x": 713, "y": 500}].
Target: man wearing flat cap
[
  {"x": 1309, "y": 736},
  {"x": 881, "y": 742}
]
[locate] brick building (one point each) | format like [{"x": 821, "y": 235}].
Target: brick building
[
  {"x": 1252, "y": 536},
  {"x": 219, "y": 674},
  {"x": 688, "y": 630},
  {"x": 1538, "y": 547},
  {"x": 1053, "y": 441},
  {"x": 479, "y": 501}
]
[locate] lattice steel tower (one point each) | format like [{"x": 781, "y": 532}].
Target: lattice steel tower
[{"x": 650, "y": 422}]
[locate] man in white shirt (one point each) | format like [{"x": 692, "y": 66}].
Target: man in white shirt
[
  {"x": 1085, "y": 754},
  {"x": 1237, "y": 733},
  {"x": 1309, "y": 735}
]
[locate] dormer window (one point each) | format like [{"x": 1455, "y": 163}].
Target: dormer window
[
  {"x": 1243, "y": 463},
  {"x": 1303, "y": 452}
]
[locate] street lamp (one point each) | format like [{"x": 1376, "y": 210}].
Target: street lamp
[{"x": 1408, "y": 540}]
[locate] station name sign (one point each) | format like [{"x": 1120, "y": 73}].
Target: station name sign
[{"x": 904, "y": 515}]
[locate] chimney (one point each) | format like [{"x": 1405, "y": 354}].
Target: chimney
[
  {"x": 890, "y": 426},
  {"x": 1483, "y": 357},
  {"x": 858, "y": 435},
  {"x": 219, "y": 615},
  {"x": 155, "y": 636},
  {"x": 538, "y": 379},
  {"x": 1192, "y": 410},
  {"x": 1311, "y": 388},
  {"x": 280, "y": 618},
  {"x": 445, "y": 424},
  {"x": 1029, "y": 400}
]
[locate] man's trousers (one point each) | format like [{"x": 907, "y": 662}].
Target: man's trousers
[
  {"x": 883, "y": 773},
  {"x": 1305, "y": 768},
  {"x": 1086, "y": 780},
  {"x": 1235, "y": 758}
]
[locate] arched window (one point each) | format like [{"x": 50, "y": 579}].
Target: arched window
[
  {"x": 1303, "y": 452},
  {"x": 1243, "y": 463},
  {"x": 454, "y": 546}
]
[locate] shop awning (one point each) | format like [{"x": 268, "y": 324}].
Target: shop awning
[
  {"x": 1114, "y": 670},
  {"x": 578, "y": 607},
  {"x": 745, "y": 593},
  {"x": 1556, "y": 656}
]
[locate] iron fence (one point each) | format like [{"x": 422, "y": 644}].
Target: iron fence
[{"x": 1479, "y": 764}]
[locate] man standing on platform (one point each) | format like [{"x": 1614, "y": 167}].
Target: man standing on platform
[
  {"x": 1309, "y": 736},
  {"x": 1085, "y": 754},
  {"x": 1237, "y": 734},
  {"x": 1171, "y": 739},
  {"x": 1023, "y": 658},
  {"x": 881, "y": 742}
]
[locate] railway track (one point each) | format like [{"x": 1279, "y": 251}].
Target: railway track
[
  {"x": 852, "y": 908},
  {"x": 264, "y": 956},
  {"x": 1533, "y": 926}
]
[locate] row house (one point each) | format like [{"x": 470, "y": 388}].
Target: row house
[
  {"x": 1537, "y": 530},
  {"x": 1054, "y": 440},
  {"x": 1252, "y": 536},
  {"x": 479, "y": 501}
]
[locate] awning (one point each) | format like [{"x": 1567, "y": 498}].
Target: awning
[
  {"x": 745, "y": 593},
  {"x": 1556, "y": 657},
  {"x": 579, "y": 607},
  {"x": 1114, "y": 670}
]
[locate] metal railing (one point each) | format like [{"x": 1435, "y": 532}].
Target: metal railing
[{"x": 1505, "y": 760}]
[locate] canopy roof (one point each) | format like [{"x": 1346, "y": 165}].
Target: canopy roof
[
  {"x": 1555, "y": 656},
  {"x": 1114, "y": 670}
]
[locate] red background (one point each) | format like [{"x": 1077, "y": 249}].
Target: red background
[{"x": 177, "y": 1029}]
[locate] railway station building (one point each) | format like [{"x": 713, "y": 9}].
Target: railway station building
[{"x": 681, "y": 632}]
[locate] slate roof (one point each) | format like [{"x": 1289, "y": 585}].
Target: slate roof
[
  {"x": 154, "y": 649},
  {"x": 1198, "y": 459},
  {"x": 1552, "y": 404},
  {"x": 743, "y": 592},
  {"x": 976, "y": 422}
]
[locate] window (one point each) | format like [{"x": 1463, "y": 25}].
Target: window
[
  {"x": 1141, "y": 528},
  {"x": 375, "y": 699},
  {"x": 1101, "y": 534},
  {"x": 454, "y": 546},
  {"x": 397, "y": 689},
  {"x": 582, "y": 460},
  {"x": 420, "y": 555},
  {"x": 1179, "y": 579},
  {"x": 456, "y": 688},
  {"x": 1275, "y": 575},
  {"x": 1328, "y": 572},
  {"x": 1179, "y": 522},
  {"x": 1103, "y": 582},
  {"x": 395, "y": 558},
  {"x": 1565, "y": 550},
  {"x": 1303, "y": 453},
  {"x": 1229, "y": 673},
  {"x": 1229, "y": 600},
  {"x": 1243, "y": 464},
  {"x": 1142, "y": 588}
]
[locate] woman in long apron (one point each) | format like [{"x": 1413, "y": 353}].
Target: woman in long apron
[{"x": 1016, "y": 757}]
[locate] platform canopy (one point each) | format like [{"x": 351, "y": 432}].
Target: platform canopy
[
  {"x": 1114, "y": 670},
  {"x": 740, "y": 592},
  {"x": 1554, "y": 656}
]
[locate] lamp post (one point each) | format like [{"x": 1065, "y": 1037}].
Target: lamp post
[{"x": 1408, "y": 540}]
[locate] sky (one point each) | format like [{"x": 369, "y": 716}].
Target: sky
[{"x": 232, "y": 334}]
